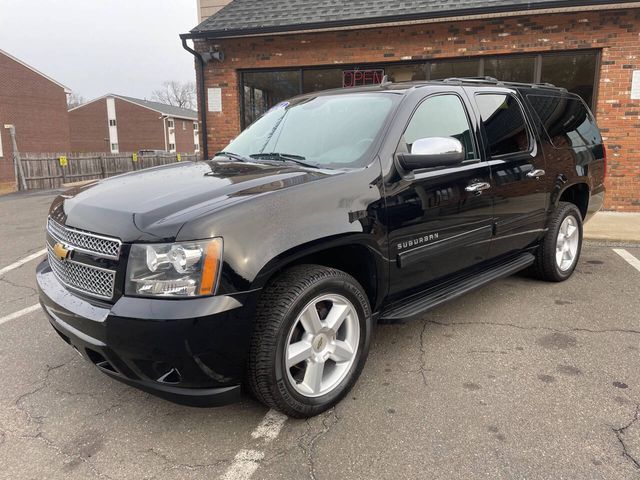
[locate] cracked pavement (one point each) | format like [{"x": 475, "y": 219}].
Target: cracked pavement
[{"x": 520, "y": 379}]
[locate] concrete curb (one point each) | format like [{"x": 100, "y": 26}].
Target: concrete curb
[{"x": 613, "y": 227}]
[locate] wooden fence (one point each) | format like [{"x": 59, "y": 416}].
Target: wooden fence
[{"x": 47, "y": 171}]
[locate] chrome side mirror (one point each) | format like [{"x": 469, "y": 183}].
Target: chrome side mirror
[{"x": 433, "y": 152}]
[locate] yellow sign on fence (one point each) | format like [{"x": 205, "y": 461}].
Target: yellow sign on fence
[
  {"x": 63, "y": 161},
  {"x": 134, "y": 157},
  {"x": 179, "y": 158}
]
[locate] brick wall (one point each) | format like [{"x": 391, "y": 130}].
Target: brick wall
[
  {"x": 617, "y": 33},
  {"x": 89, "y": 128},
  {"x": 138, "y": 127},
  {"x": 38, "y": 109},
  {"x": 184, "y": 136}
]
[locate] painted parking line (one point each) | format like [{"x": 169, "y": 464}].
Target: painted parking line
[
  {"x": 270, "y": 427},
  {"x": 246, "y": 462},
  {"x": 22, "y": 261},
  {"x": 631, "y": 260},
  {"x": 19, "y": 313}
]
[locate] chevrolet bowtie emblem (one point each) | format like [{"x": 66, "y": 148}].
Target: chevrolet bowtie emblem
[{"x": 61, "y": 251}]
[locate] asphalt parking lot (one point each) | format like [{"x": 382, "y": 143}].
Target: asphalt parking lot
[{"x": 520, "y": 379}]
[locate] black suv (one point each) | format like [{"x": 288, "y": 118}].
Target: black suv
[{"x": 268, "y": 266}]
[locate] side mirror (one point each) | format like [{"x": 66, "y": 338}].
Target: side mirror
[{"x": 433, "y": 152}]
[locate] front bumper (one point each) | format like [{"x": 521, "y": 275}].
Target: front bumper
[{"x": 189, "y": 351}]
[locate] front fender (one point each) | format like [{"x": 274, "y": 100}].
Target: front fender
[{"x": 263, "y": 232}]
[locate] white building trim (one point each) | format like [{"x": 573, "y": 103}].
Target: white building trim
[
  {"x": 172, "y": 134},
  {"x": 114, "y": 147}
]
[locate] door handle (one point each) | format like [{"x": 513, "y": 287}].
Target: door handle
[
  {"x": 478, "y": 188},
  {"x": 536, "y": 174}
]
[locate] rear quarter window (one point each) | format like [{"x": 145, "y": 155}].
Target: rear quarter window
[{"x": 566, "y": 120}]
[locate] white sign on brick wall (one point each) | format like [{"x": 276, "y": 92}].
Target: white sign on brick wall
[
  {"x": 635, "y": 85},
  {"x": 214, "y": 96}
]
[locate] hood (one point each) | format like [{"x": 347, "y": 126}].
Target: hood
[{"x": 154, "y": 204}]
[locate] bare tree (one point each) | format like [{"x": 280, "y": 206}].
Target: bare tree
[
  {"x": 176, "y": 93},
  {"x": 74, "y": 100}
]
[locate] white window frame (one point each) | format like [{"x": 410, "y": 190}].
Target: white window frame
[
  {"x": 195, "y": 126},
  {"x": 172, "y": 147},
  {"x": 1, "y": 154},
  {"x": 170, "y": 123},
  {"x": 113, "y": 129}
]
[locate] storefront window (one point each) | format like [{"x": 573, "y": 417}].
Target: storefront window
[
  {"x": 316, "y": 80},
  {"x": 263, "y": 90},
  {"x": 575, "y": 72},
  {"x": 511, "y": 69},
  {"x": 458, "y": 68},
  {"x": 407, "y": 73}
]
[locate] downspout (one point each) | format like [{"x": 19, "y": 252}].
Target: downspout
[{"x": 203, "y": 100}]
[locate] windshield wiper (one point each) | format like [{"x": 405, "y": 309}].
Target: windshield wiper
[
  {"x": 285, "y": 157},
  {"x": 233, "y": 156}
]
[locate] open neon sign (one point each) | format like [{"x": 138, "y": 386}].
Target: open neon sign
[{"x": 357, "y": 78}]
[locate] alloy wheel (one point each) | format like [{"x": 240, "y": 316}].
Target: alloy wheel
[
  {"x": 322, "y": 345},
  {"x": 567, "y": 243}
]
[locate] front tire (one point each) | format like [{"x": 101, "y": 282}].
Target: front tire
[
  {"x": 310, "y": 341},
  {"x": 559, "y": 252}
]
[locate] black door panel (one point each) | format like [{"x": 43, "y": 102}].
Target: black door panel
[
  {"x": 424, "y": 253},
  {"x": 518, "y": 171},
  {"x": 436, "y": 226}
]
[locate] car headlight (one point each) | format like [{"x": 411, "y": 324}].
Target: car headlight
[{"x": 185, "y": 269}]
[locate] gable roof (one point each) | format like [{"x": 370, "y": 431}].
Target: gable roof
[
  {"x": 255, "y": 17},
  {"x": 17, "y": 60},
  {"x": 162, "y": 108}
]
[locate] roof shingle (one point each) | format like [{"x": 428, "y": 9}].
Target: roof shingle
[
  {"x": 255, "y": 16},
  {"x": 169, "y": 110}
]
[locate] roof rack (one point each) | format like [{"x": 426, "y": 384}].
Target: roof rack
[
  {"x": 472, "y": 79},
  {"x": 495, "y": 81}
]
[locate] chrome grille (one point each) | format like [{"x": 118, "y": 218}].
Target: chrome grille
[
  {"x": 94, "y": 281},
  {"x": 86, "y": 242}
]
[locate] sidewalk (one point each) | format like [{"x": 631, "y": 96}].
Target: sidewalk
[{"x": 614, "y": 227}]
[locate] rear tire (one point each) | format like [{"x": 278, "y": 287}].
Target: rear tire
[
  {"x": 559, "y": 252},
  {"x": 310, "y": 341}
]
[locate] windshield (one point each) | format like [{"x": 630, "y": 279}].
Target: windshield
[{"x": 326, "y": 131}]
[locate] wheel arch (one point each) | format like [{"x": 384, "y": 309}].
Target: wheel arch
[
  {"x": 357, "y": 255},
  {"x": 577, "y": 193}
]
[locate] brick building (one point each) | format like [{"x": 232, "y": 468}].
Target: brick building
[
  {"x": 275, "y": 49},
  {"x": 37, "y": 106},
  {"x": 114, "y": 123}
]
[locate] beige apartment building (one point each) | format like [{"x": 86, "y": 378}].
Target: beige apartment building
[{"x": 206, "y": 8}]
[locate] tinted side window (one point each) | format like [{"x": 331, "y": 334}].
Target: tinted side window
[
  {"x": 566, "y": 120},
  {"x": 441, "y": 116},
  {"x": 504, "y": 123}
]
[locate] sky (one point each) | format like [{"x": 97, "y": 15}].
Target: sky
[{"x": 95, "y": 47}]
